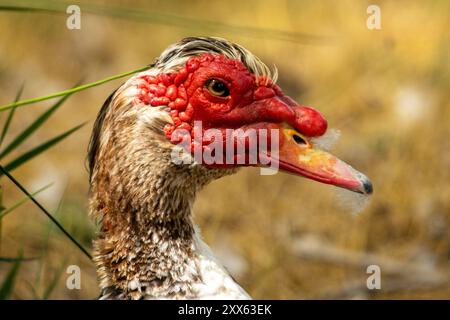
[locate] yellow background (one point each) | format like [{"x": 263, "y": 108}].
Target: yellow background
[{"x": 281, "y": 236}]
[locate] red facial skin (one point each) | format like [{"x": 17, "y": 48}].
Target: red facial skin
[{"x": 252, "y": 102}]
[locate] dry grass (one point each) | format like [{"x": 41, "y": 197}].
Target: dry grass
[{"x": 281, "y": 236}]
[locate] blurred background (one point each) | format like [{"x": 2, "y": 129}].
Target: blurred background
[{"x": 281, "y": 237}]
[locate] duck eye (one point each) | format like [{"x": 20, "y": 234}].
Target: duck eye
[
  {"x": 298, "y": 139},
  {"x": 217, "y": 88}
]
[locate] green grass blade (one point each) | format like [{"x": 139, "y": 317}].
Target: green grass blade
[
  {"x": 9, "y": 259},
  {"x": 138, "y": 14},
  {"x": 53, "y": 282},
  {"x": 26, "y": 9},
  {"x": 22, "y": 201},
  {"x": 180, "y": 21},
  {"x": 45, "y": 245},
  {"x": 70, "y": 91},
  {"x": 31, "y": 288},
  {"x": 32, "y": 127},
  {"x": 8, "y": 284},
  {"x": 39, "y": 149},
  {"x": 163, "y": 18},
  {"x": 10, "y": 116},
  {"x": 45, "y": 211}
]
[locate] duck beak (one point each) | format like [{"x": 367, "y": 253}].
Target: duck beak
[{"x": 298, "y": 156}]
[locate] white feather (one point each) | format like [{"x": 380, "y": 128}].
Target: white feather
[
  {"x": 352, "y": 201},
  {"x": 328, "y": 140}
]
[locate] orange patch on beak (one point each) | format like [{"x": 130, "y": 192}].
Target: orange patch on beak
[{"x": 298, "y": 156}]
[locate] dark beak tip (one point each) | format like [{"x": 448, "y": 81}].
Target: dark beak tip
[
  {"x": 366, "y": 184},
  {"x": 368, "y": 187}
]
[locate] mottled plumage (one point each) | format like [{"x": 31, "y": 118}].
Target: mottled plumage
[{"x": 148, "y": 246}]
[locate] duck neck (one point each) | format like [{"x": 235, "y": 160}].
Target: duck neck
[{"x": 146, "y": 245}]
